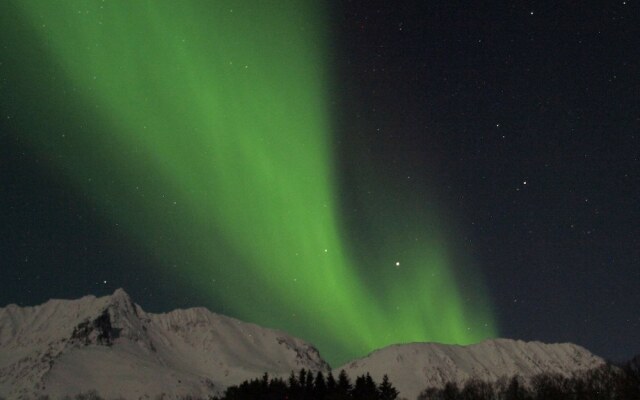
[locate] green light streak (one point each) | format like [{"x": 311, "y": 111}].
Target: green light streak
[{"x": 210, "y": 143}]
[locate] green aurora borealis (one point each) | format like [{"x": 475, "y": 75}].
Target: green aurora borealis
[{"x": 205, "y": 131}]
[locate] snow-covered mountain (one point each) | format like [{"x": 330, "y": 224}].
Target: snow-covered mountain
[
  {"x": 109, "y": 344},
  {"x": 64, "y": 347},
  {"x": 414, "y": 367}
]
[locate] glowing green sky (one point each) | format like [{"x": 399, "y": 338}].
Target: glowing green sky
[{"x": 210, "y": 141}]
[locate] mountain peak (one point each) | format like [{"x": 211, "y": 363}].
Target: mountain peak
[
  {"x": 65, "y": 347},
  {"x": 121, "y": 300},
  {"x": 121, "y": 294},
  {"x": 415, "y": 366}
]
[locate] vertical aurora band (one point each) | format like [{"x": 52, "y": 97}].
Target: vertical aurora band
[{"x": 211, "y": 142}]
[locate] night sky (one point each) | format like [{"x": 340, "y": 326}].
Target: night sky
[{"x": 358, "y": 175}]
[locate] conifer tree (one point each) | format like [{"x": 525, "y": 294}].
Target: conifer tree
[
  {"x": 387, "y": 391},
  {"x": 293, "y": 382},
  {"x": 277, "y": 389},
  {"x": 302, "y": 377},
  {"x": 308, "y": 386},
  {"x": 331, "y": 384},
  {"x": 343, "y": 387},
  {"x": 295, "y": 389},
  {"x": 515, "y": 391},
  {"x": 370, "y": 388},
  {"x": 450, "y": 391},
  {"x": 319, "y": 386},
  {"x": 359, "y": 390}
]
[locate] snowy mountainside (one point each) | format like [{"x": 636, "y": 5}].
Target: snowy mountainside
[
  {"x": 64, "y": 347},
  {"x": 414, "y": 367},
  {"x": 110, "y": 344}
]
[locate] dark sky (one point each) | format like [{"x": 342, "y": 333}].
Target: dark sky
[
  {"x": 526, "y": 117},
  {"x": 523, "y": 118}
]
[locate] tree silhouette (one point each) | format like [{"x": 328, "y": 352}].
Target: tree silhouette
[
  {"x": 304, "y": 386},
  {"x": 295, "y": 390},
  {"x": 603, "y": 383},
  {"x": 343, "y": 387},
  {"x": 387, "y": 391},
  {"x": 515, "y": 391},
  {"x": 451, "y": 391},
  {"x": 331, "y": 382},
  {"x": 319, "y": 386}
]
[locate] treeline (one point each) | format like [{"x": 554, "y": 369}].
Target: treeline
[
  {"x": 604, "y": 383},
  {"x": 306, "y": 386}
]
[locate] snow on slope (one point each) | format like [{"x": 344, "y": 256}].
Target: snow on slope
[
  {"x": 110, "y": 344},
  {"x": 64, "y": 347},
  {"x": 414, "y": 367}
]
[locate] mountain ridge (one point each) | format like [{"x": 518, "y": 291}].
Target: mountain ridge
[
  {"x": 413, "y": 367},
  {"x": 63, "y": 347},
  {"x": 110, "y": 344}
]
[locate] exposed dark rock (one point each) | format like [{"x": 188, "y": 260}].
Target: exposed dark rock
[{"x": 98, "y": 331}]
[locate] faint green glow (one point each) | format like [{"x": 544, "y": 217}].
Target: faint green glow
[{"x": 209, "y": 141}]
